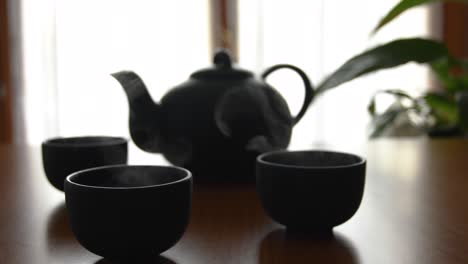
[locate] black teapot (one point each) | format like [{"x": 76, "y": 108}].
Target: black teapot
[{"x": 216, "y": 123}]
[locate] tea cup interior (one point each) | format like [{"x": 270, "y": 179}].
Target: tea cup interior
[
  {"x": 311, "y": 159},
  {"x": 123, "y": 176}
]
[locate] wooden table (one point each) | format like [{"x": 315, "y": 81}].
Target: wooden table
[{"x": 414, "y": 210}]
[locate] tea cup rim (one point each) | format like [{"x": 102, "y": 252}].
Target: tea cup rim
[
  {"x": 68, "y": 179},
  {"x": 261, "y": 160},
  {"x": 107, "y": 141}
]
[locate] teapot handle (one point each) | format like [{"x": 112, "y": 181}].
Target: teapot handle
[{"x": 309, "y": 90}]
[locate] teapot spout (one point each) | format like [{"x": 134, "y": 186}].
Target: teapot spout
[{"x": 145, "y": 115}]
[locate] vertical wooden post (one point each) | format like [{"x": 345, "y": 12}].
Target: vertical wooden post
[
  {"x": 6, "y": 126},
  {"x": 224, "y": 26},
  {"x": 455, "y": 28}
]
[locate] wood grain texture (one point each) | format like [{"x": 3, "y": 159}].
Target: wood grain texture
[{"x": 414, "y": 210}]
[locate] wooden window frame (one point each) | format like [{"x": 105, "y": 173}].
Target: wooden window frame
[
  {"x": 6, "y": 122},
  {"x": 455, "y": 28}
]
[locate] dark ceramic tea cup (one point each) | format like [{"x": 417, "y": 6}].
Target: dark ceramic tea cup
[
  {"x": 310, "y": 191},
  {"x": 129, "y": 213},
  {"x": 63, "y": 156}
]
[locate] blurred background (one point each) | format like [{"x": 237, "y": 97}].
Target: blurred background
[{"x": 57, "y": 57}]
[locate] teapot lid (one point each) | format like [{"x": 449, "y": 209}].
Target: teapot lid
[{"x": 222, "y": 69}]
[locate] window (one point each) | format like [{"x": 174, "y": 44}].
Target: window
[{"x": 71, "y": 47}]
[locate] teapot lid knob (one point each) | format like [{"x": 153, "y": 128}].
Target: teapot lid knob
[
  {"x": 223, "y": 69},
  {"x": 222, "y": 59}
]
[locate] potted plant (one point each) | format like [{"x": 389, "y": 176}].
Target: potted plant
[{"x": 443, "y": 113}]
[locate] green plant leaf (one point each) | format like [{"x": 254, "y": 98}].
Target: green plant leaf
[
  {"x": 444, "y": 108},
  {"x": 463, "y": 63},
  {"x": 463, "y": 83},
  {"x": 441, "y": 68},
  {"x": 395, "y": 92},
  {"x": 371, "y": 107},
  {"x": 462, "y": 77},
  {"x": 388, "y": 55},
  {"x": 462, "y": 102},
  {"x": 382, "y": 122},
  {"x": 404, "y": 5},
  {"x": 444, "y": 70}
]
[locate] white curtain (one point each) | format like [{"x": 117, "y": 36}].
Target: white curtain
[{"x": 70, "y": 48}]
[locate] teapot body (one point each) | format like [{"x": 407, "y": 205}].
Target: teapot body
[
  {"x": 216, "y": 123},
  {"x": 194, "y": 113}
]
